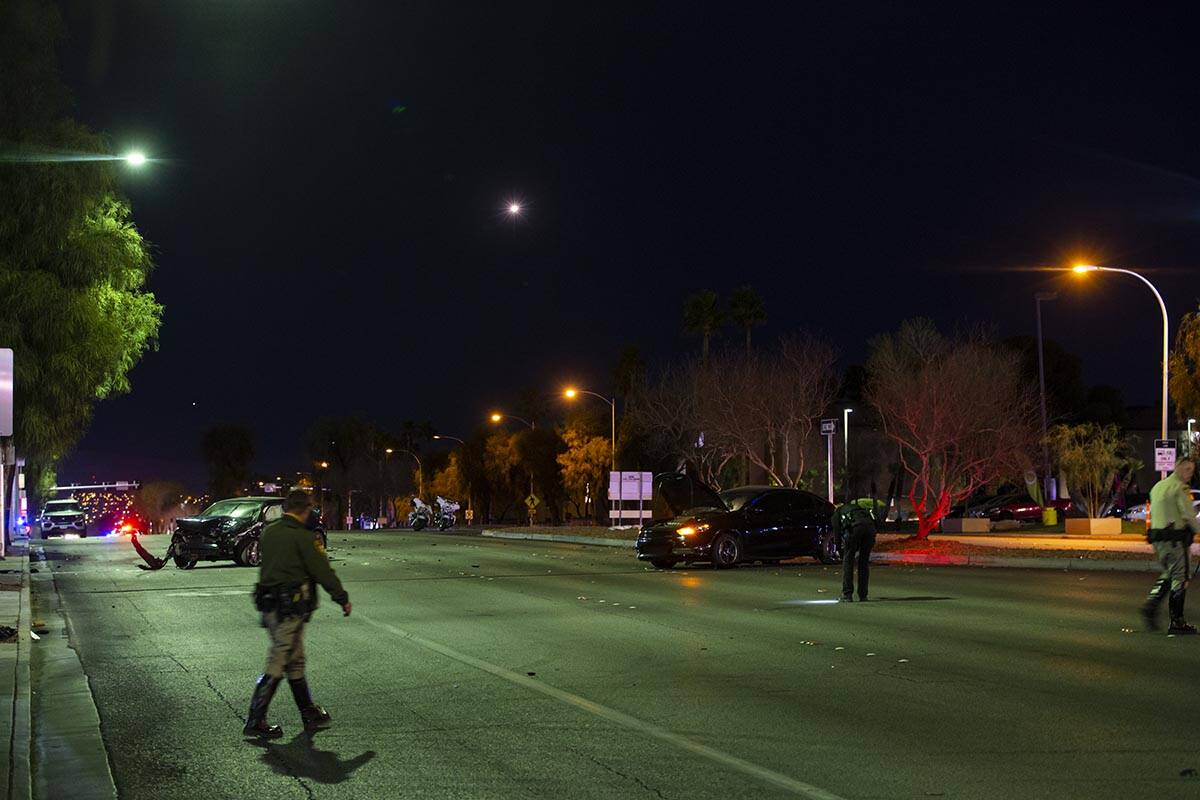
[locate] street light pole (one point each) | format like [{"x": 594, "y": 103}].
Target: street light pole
[
  {"x": 846, "y": 447},
  {"x": 570, "y": 395},
  {"x": 1049, "y": 486},
  {"x": 1191, "y": 422},
  {"x": 1166, "y": 346}
]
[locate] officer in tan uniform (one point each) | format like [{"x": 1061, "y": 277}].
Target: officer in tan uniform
[
  {"x": 1173, "y": 525},
  {"x": 293, "y": 562}
]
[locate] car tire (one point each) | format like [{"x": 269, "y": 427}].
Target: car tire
[
  {"x": 830, "y": 551},
  {"x": 183, "y": 562},
  {"x": 726, "y": 551},
  {"x": 249, "y": 553},
  {"x": 662, "y": 563}
]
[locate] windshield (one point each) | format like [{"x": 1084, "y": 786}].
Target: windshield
[
  {"x": 233, "y": 508},
  {"x": 735, "y": 499},
  {"x": 59, "y": 506}
]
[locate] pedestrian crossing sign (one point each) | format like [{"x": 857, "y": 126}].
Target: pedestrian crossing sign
[{"x": 532, "y": 502}]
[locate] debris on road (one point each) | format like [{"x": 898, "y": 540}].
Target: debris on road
[{"x": 7, "y": 633}]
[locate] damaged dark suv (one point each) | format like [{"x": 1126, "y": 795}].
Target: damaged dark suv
[
  {"x": 226, "y": 530},
  {"x": 752, "y": 523}
]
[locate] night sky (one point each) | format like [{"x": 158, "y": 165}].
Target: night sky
[{"x": 856, "y": 163}]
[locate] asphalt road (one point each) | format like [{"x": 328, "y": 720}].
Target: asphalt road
[{"x": 495, "y": 669}]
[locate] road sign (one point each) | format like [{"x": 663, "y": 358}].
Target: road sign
[
  {"x": 6, "y": 392},
  {"x": 532, "y": 502},
  {"x": 1164, "y": 455},
  {"x": 828, "y": 427}
]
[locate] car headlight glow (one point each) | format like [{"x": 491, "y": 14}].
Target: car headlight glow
[{"x": 689, "y": 530}]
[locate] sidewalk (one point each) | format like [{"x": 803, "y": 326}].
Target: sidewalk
[{"x": 15, "y": 706}]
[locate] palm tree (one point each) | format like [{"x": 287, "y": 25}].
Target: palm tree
[
  {"x": 702, "y": 316},
  {"x": 746, "y": 309}
]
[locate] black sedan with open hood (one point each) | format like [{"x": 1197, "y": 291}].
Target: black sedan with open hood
[{"x": 751, "y": 523}]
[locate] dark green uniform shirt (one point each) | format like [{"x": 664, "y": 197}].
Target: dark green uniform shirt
[{"x": 291, "y": 553}]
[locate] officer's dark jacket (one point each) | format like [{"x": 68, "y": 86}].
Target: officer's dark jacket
[{"x": 292, "y": 554}]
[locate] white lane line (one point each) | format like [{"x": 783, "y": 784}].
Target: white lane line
[
  {"x": 226, "y": 593},
  {"x": 612, "y": 715}
]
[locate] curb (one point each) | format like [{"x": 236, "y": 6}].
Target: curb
[
  {"x": 1014, "y": 562},
  {"x": 20, "y": 784},
  {"x": 1019, "y": 562},
  {"x": 555, "y": 537}
]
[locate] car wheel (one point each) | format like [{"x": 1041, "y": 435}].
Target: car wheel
[
  {"x": 184, "y": 562},
  {"x": 831, "y": 550},
  {"x": 726, "y": 551},
  {"x": 663, "y": 563},
  {"x": 249, "y": 554}
]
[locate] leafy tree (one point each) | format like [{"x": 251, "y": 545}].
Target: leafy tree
[
  {"x": 959, "y": 410},
  {"x": 1089, "y": 457},
  {"x": 584, "y": 462},
  {"x": 1106, "y": 406},
  {"x": 502, "y": 464},
  {"x": 747, "y": 311},
  {"x": 1185, "y": 366},
  {"x": 228, "y": 451},
  {"x": 1066, "y": 393},
  {"x": 702, "y": 316},
  {"x": 448, "y": 481},
  {"x": 538, "y": 451},
  {"x": 72, "y": 264}
]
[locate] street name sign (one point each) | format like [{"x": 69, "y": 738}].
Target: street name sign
[{"x": 1164, "y": 455}]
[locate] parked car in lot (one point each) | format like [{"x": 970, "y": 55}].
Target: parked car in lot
[
  {"x": 1021, "y": 507},
  {"x": 751, "y": 523},
  {"x": 228, "y": 530},
  {"x": 1138, "y": 513},
  {"x": 61, "y": 517}
]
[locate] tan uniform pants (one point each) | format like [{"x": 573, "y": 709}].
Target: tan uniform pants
[
  {"x": 1173, "y": 556},
  {"x": 286, "y": 655}
]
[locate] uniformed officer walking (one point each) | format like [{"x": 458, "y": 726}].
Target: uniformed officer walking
[
  {"x": 293, "y": 562},
  {"x": 856, "y": 528},
  {"x": 1173, "y": 523}
]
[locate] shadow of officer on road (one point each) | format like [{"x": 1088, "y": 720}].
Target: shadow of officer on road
[{"x": 299, "y": 758}]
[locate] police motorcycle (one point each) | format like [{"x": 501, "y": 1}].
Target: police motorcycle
[
  {"x": 421, "y": 516},
  {"x": 444, "y": 516}
]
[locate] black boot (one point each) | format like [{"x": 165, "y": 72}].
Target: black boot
[
  {"x": 315, "y": 718},
  {"x": 1150, "y": 608},
  {"x": 1179, "y": 626},
  {"x": 256, "y": 720}
]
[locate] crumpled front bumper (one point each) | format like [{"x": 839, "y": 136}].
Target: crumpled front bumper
[{"x": 658, "y": 545}]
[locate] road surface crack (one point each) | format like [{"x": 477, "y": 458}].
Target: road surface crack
[{"x": 618, "y": 772}]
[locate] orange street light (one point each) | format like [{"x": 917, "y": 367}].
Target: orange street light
[
  {"x": 571, "y": 393},
  {"x": 1082, "y": 269},
  {"x": 497, "y": 417}
]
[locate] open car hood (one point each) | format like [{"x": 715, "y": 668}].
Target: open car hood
[{"x": 680, "y": 493}]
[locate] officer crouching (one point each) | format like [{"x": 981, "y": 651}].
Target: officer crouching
[{"x": 293, "y": 562}]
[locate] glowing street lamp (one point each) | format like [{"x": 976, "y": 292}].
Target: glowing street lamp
[
  {"x": 1083, "y": 269},
  {"x": 135, "y": 158},
  {"x": 450, "y": 438},
  {"x": 571, "y": 393},
  {"x": 497, "y": 417},
  {"x": 514, "y": 209}
]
